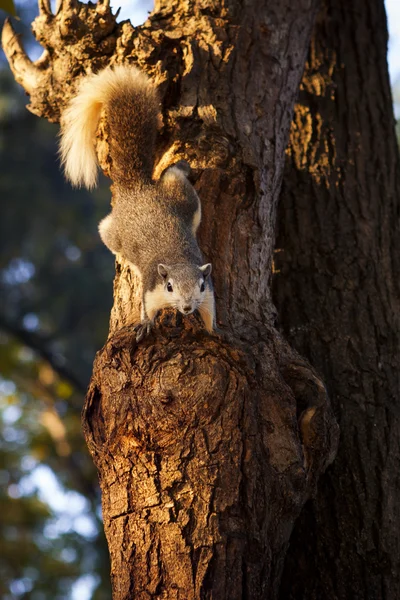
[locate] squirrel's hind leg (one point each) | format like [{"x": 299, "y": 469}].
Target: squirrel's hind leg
[{"x": 109, "y": 234}]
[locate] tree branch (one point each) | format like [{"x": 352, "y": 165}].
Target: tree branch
[
  {"x": 39, "y": 345},
  {"x": 24, "y": 70}
]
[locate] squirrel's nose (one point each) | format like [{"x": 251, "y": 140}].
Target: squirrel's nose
[{"x": 187, "y": 308}]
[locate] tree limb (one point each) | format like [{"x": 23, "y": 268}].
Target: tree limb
[
  {"x": 40, "y": 346},
  {"x": 24, "y": 70}
]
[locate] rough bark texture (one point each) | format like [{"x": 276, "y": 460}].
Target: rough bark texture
[
  {"x": 207, "y": 446},
  {"x": 202, "y": 476},
  {"x": 337, "y": 291}
]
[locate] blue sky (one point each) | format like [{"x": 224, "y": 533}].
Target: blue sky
[{"x": 393, "y": 14}]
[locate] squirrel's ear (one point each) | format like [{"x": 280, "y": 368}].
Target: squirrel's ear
[
  {"x": 179, "y": 169},
  {"x": 163, "y": 270},
  {"x": 206, "y": 270}
]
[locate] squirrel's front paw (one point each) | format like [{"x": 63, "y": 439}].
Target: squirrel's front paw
[{"x": 142, "y": 329}]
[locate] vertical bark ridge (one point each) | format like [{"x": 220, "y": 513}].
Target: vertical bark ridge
[{"x": 338, "y": 297}]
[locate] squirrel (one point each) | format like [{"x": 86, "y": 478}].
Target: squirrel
[{"x": 153, "y": 224}]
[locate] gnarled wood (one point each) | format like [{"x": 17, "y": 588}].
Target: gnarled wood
[
  {"x": 201, "y": 465},
  {"x": 25, "y": 71}
]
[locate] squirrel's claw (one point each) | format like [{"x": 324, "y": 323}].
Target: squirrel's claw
[{"x": 142, "y": 330}]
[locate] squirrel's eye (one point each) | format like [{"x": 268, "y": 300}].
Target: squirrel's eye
[
  {"x": 169, "y": 287},
  {"x": 202, "y": 287}
]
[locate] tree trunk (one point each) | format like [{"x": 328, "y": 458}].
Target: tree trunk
[
  {"x": 207, "y": 446},
  {"x": 337, "y": 292}
]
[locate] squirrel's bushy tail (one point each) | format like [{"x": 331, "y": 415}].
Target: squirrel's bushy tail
[{"x": 131, "y": 112}]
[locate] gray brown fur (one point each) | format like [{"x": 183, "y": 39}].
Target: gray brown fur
[
  {"x": 152, "y": 224},
  {"x": 132, "y": 118}
]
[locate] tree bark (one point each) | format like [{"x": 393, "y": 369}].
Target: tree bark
[
  {"x": 337, "y": 291},
  {"x": 207, "y": 446}
]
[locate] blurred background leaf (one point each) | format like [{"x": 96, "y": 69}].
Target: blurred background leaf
[{"x": 55, "y": 298}]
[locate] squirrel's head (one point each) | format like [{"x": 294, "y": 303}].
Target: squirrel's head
[{"x": 185, "y": 286}]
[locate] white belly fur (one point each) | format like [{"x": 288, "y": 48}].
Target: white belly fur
[{"x": 154, "y": 301}]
